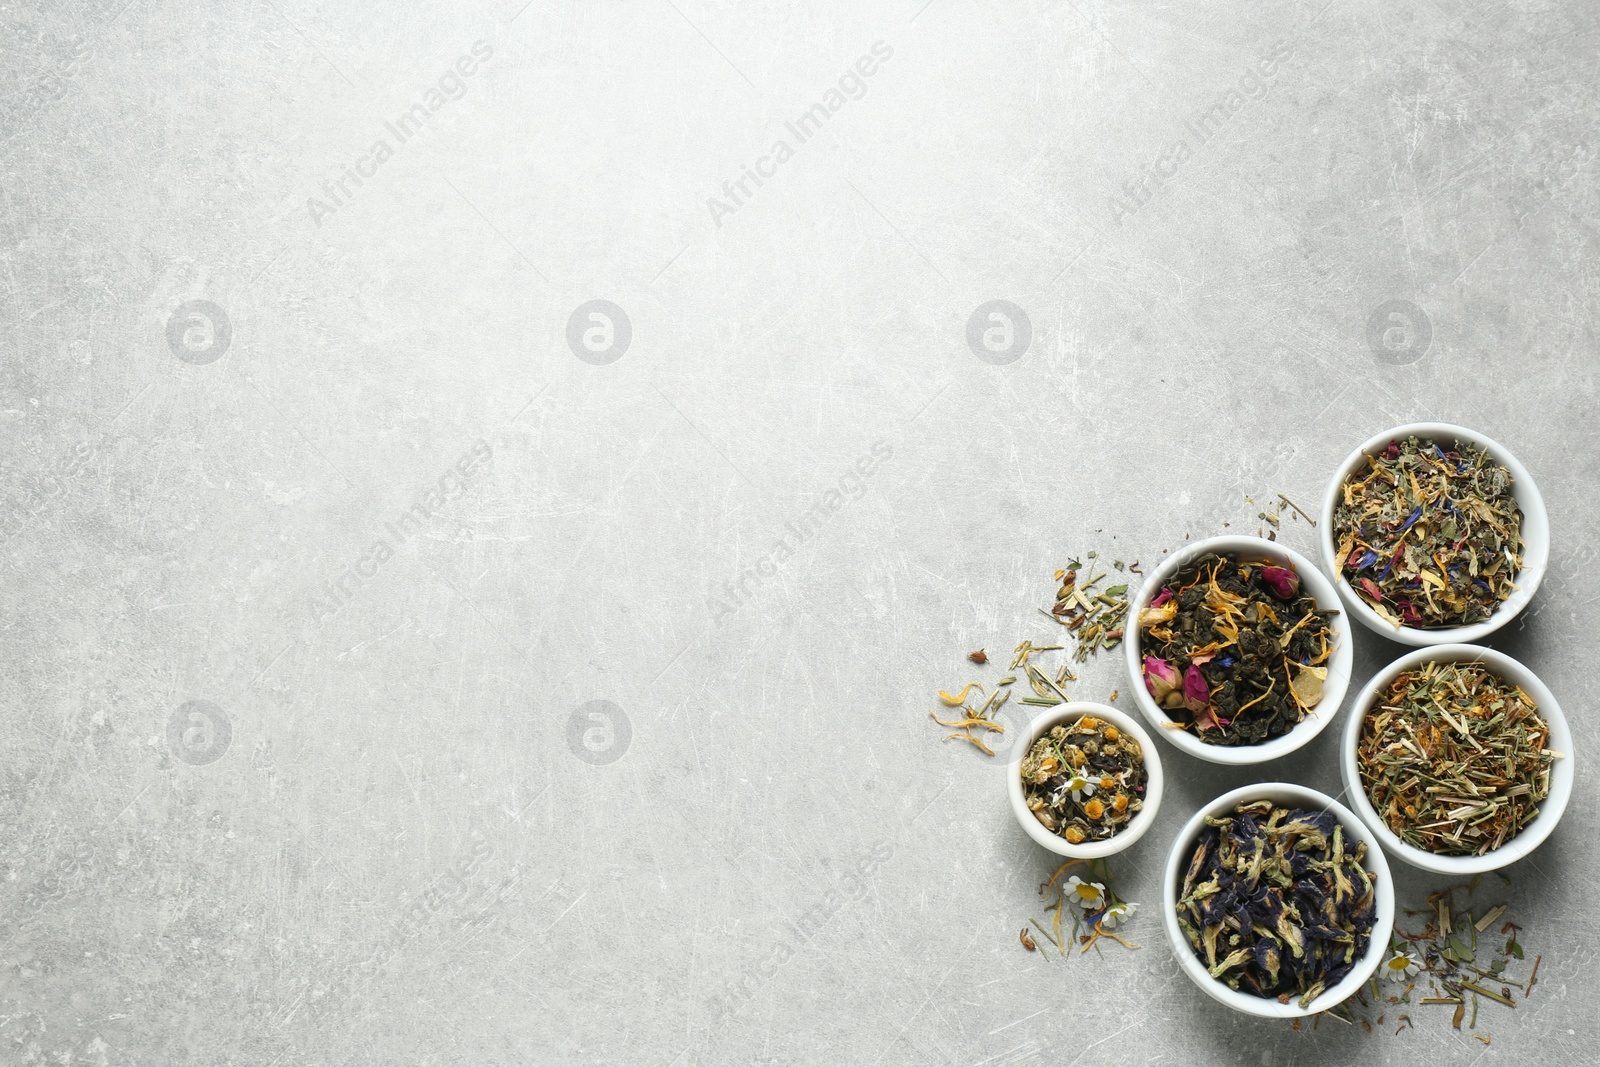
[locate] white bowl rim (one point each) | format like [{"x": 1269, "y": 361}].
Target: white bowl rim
[
  {"x": 1562, "y": 775},
  {"x": 1382, "y": 927},
  {"x": 1535, "y": 535},
  {"x": 1340, "y": 664},
  {"x": 1155, "y": 784}
]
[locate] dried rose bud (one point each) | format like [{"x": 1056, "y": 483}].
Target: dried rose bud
[
  {"x": 1196, "y": 693},
  {"x": 1160, "y": 677},
  {"x": 1284, "y": 583}
]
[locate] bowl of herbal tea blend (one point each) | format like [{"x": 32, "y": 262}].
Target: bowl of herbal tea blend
[
  {"x": 1085, "y": 780},
  {"x": 1277, "y": 901},
  {"x": 1237, "y": 650},
  {"x": 1434, "y": 534},
  {"x": 1458, "y": 758}
]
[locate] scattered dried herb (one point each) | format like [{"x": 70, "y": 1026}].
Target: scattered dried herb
[
  {"x": 1234, "y": 649},
  {"x": 981, "y": 717},
  {"x": 1454, "y": 758},
  {"x": 1084, "y": 780},
  {"x": 1093, "y": 904},
  {"x": 1273, "y": 904},
  {"x": 1459, "y": 968},
  {"x": 1027, "y": 941},
  {"x": 1097, "y": 618},
  {"x": 1429, "y": 538},
  {"x": 1047, "y": 692},
  {"x": 979, "y": 656}
]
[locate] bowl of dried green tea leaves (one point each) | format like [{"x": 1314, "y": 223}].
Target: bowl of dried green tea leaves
[
  {"x": 1458, "y": 758},
  {"x": 1239, "y": 652},
  {"x": 1434, "y": 534},
  {"x": 1277, "y": 901},
  {"x": 1088, "y": 781}
]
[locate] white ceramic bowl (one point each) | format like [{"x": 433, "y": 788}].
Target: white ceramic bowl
[
  {"x": 1089, "y": 850},
  {"x": 1297, "y": 796},
  {"x": 1535, "y": 536},
  {"x": 1312, "y": 581},
  {"x": 1561, "y": 775}
]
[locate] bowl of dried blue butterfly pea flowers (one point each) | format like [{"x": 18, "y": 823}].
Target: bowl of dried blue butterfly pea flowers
[{"x": 1278, "y": 901}]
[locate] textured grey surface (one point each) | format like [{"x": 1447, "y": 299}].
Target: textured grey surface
[{"x": 398, "y": 831}]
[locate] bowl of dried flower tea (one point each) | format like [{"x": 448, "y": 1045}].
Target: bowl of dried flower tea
[
  {"x": 1237, "y": 650},
  {"x": 1278, "y": 901},
  {"x": 1434, "y": 534},
  {"x": 1458, "y": 758},
  {"x": 1086, "y": 780}
]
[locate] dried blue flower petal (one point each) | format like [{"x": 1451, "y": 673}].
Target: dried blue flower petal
[{"x": 1275, "y": 904}]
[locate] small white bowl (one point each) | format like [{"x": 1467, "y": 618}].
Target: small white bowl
[
  {"x": 1561, "y": 775},
  {"x": 1535, "y": 536},
  {"x": 1297, "y": 796},
  {"x": 1089, "y": 850},
  {"x": 1339, "y": 664}
]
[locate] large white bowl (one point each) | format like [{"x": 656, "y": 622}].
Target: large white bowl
[
  {"x": 1339, "y": 664},
  {"x": 1535, "y": 536},
  {"x": 1089, "y": 850},
  {"x": 1561, "y": 775},
  {"x": 1291, "y": 796}
]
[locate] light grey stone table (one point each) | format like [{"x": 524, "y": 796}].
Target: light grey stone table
[{"x": 408, "y": 660}]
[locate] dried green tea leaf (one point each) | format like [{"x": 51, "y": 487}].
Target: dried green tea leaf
[{"x": 1234, "y": 649}]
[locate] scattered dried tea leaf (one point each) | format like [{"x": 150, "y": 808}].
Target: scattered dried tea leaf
[{"x": 1097, "y": 618}]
